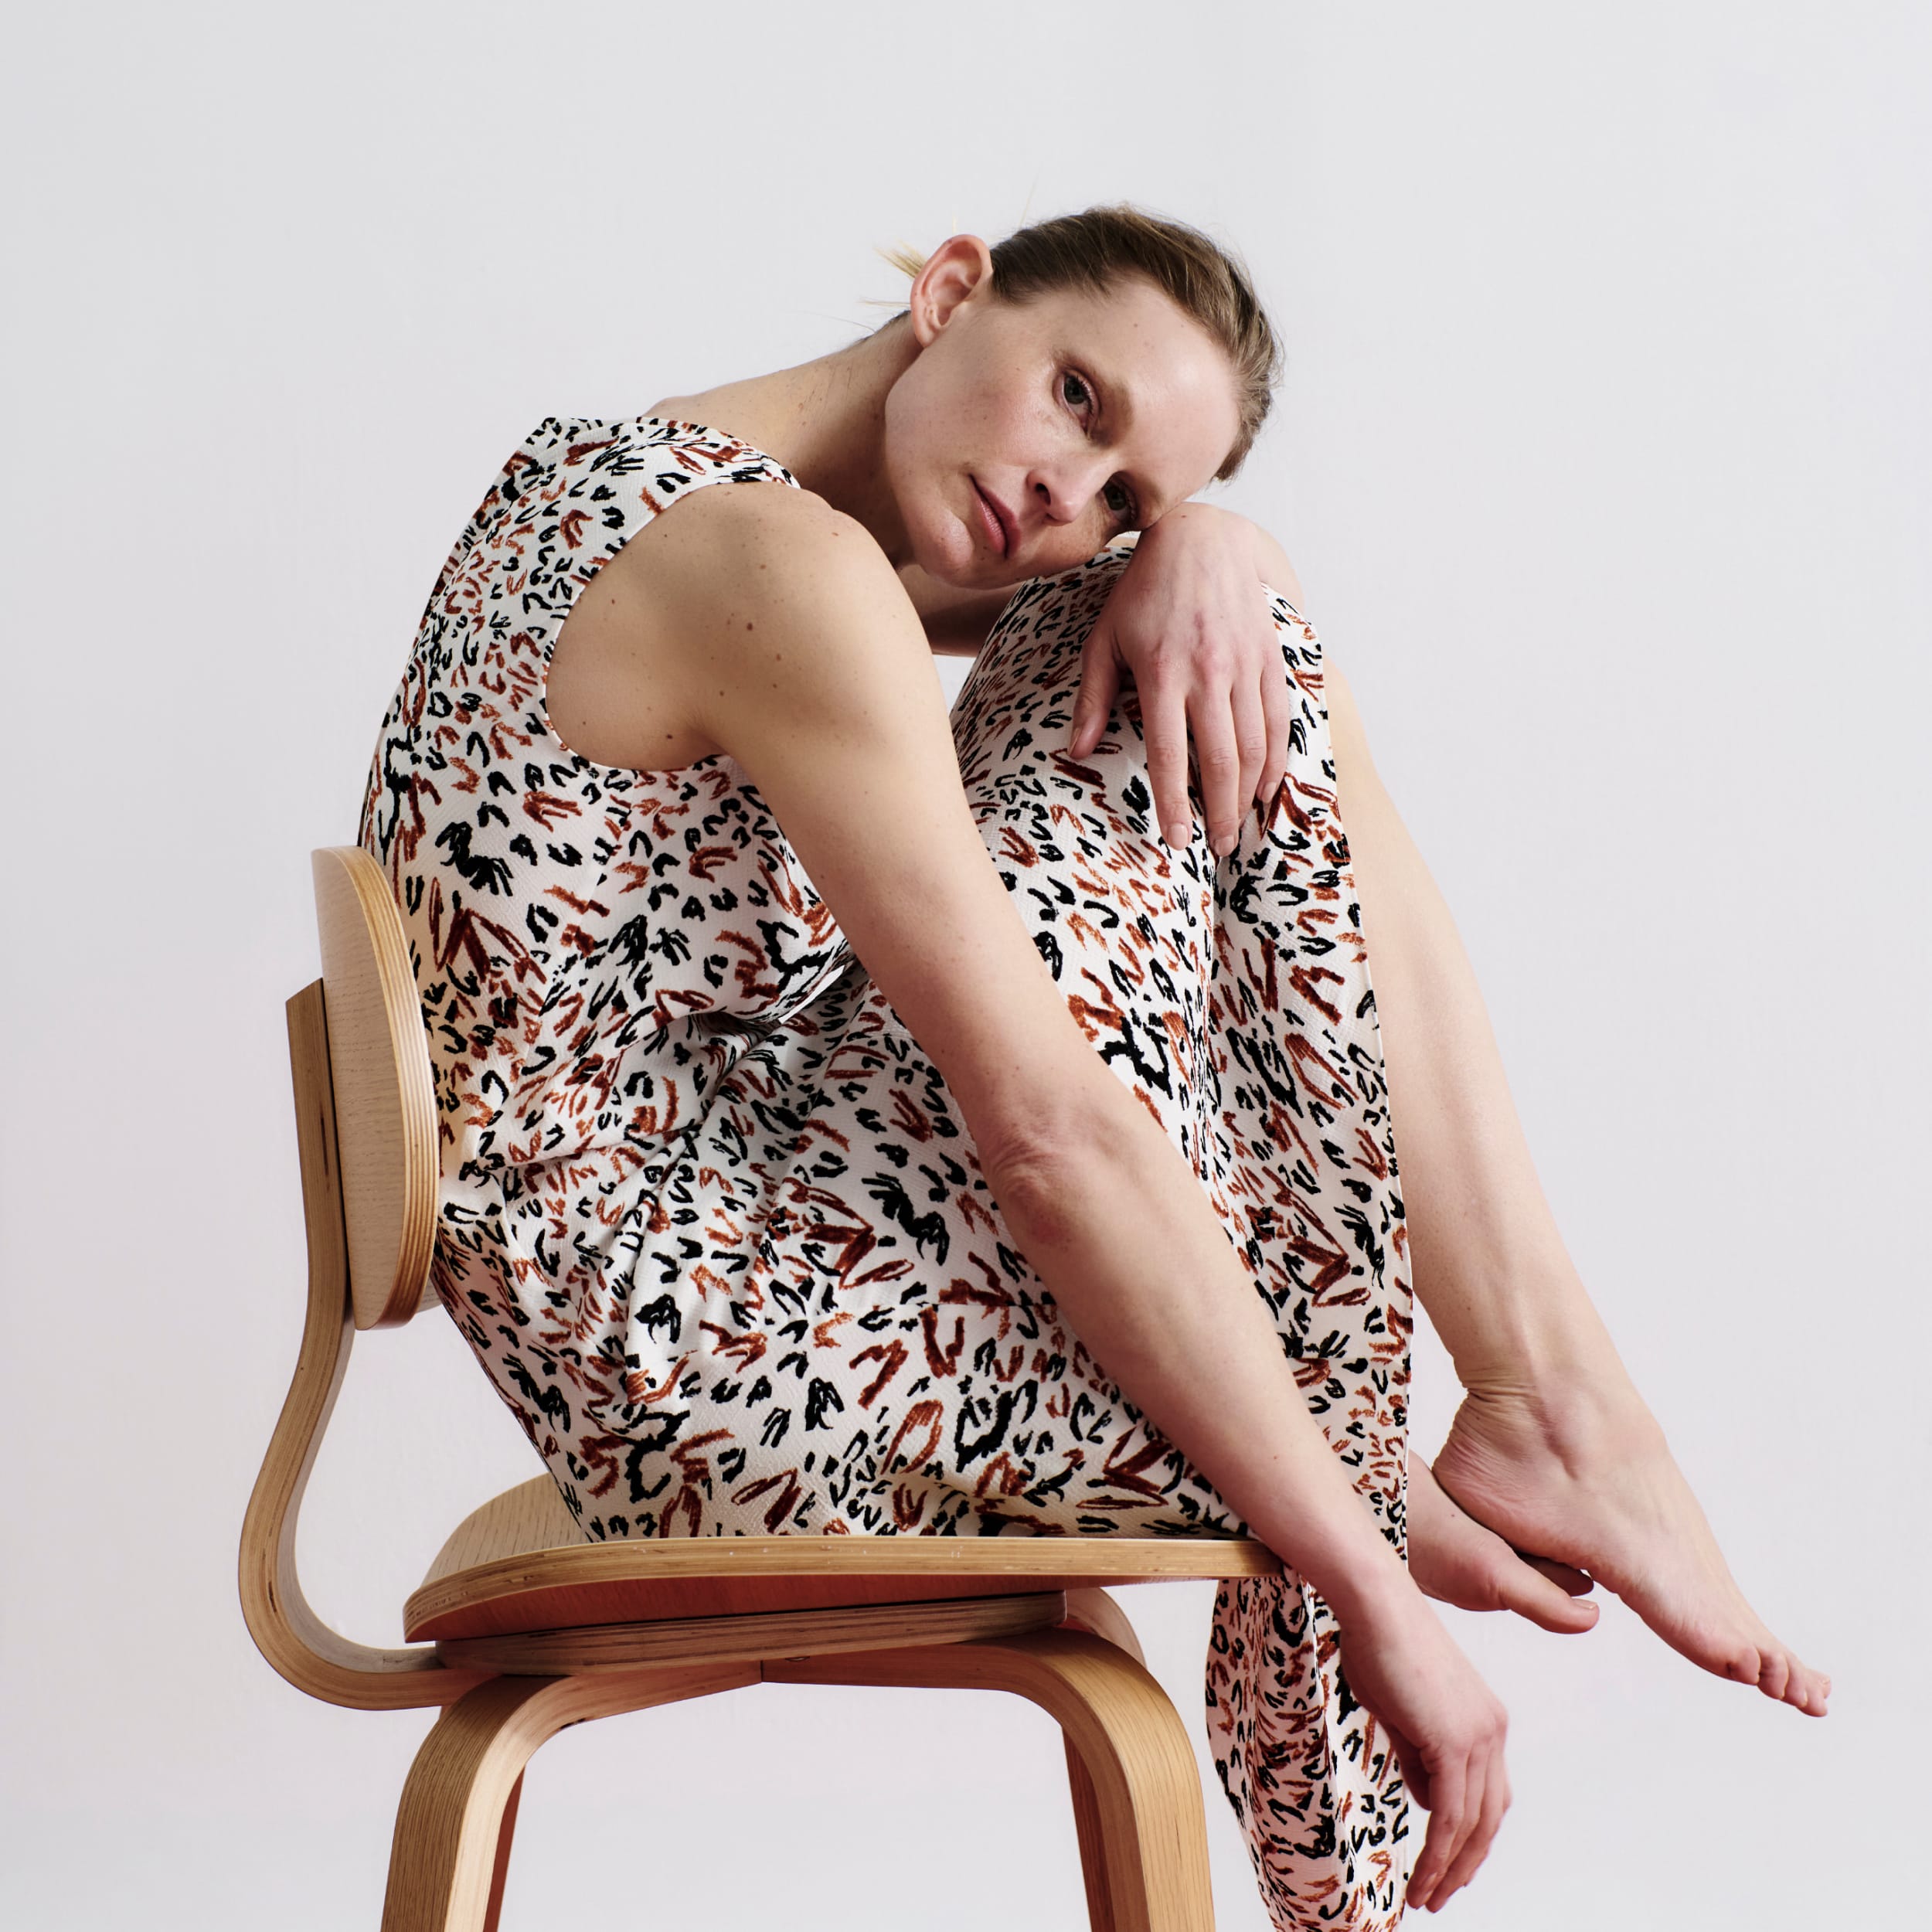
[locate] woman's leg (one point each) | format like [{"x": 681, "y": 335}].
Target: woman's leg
[{"x": 1553, "y": 1448}]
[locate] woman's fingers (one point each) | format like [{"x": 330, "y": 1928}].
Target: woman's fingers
[
  {"x": 1239, "y": 737},
  {"x": 1448, "y": 1826},
  {"x": 1279, "y": 712},
  {"x": 1100, "y": 686},
  {"x": 1241, "y": 730},
  {"x": 1225, "y": 757},
  {"x": 1233, "y": 740},
  {"x": 1495, "y": 1802},
  {"x": 1548, "y": 1600},
  {"x": 1164, "y": 728},
  {"x": 1253, "y": 737},
  {"x": 1415, "y": 1773},
  {"x": 1212, "y": 681},
  {"x": 1472, "y": 1795}
]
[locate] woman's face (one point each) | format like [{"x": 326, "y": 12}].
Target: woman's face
[{"x": 1023, "y": 437}]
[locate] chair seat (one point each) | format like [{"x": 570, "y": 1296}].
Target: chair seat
[{"x": 520, "y": 1564}]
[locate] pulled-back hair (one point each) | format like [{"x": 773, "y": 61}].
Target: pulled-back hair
[{"x": 1096, "y": 250}]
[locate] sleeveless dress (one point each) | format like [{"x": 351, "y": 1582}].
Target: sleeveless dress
[{"x": 708, "y": 1216}]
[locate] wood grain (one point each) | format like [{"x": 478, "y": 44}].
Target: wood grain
[
  {"x": 299, "y": 1645},
  {"x": 641, "y": 1582},
  {"x": 789, "y": 1633},
  {"x": 531, "y": 1516},
  {"x": 384, "y": 1094},
  {"x": 1094, "y": 1611}
]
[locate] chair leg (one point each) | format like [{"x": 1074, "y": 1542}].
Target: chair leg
[
  {"x": 1094, "y": 1611},
  {"x": 505, "y": 1837},
  {"x": 451, "y": 1847},
  {"x": 1147, "y": 1824},
  {"x": 1092, "y": 1828}
]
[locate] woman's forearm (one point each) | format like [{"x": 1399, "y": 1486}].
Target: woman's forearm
[
  {"x": 1117, "y": 1225},
  {"x": 1490, "y": 1266}
]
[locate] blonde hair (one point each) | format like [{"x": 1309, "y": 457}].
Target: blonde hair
[{"x": 1093, "y": 250}]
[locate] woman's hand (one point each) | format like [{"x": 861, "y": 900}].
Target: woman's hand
[
  {"x": 1457, "y": 1560},
  {"x": 1185, "y": 627},
  {"x": 1445, "y": 1725}
]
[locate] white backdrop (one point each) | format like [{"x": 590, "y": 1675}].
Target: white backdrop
[{"x": 1603, "y": 453}]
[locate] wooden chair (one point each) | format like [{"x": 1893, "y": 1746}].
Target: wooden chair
[{"x": 521, "y": 1627}]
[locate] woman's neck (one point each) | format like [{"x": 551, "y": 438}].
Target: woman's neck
[{"x": 825, "y": 421}]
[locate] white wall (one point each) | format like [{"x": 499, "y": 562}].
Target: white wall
[{"x": 1603, "y": 454}]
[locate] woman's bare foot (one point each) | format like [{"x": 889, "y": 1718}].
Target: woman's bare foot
[
  {"x": 1588, "y": 1480},
  {"x": 1453, "y": 1559}
]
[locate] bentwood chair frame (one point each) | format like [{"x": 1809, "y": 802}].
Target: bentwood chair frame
[{"x": 522, "y": 1627}]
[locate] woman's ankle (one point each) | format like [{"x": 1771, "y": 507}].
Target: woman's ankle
[
  {"x": 1544, "y": 1349},
  {"x": 1580, "y": 1407}
]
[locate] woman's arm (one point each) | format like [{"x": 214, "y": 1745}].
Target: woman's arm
[{"x": 810, "y": 672}]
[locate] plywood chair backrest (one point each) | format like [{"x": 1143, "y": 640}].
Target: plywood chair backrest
[
  {"x": 365, "y": 1127},
  {"x": 385, "y": 1102}
]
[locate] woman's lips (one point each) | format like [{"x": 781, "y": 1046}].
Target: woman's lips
[{"x": 995, "y": 530}]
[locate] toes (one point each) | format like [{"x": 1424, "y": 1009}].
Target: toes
[
  {"x": 1779, "y": 1675},
  {"x": 1809, "y": 1689}
]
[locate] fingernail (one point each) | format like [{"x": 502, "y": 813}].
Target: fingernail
[{"x": 1224, "y": 845}]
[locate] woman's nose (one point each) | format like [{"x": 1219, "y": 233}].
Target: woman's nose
[{"x": 1065, "y": 490}]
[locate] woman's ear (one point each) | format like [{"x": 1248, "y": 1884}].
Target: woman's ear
[{"x": 957, "y": 269}]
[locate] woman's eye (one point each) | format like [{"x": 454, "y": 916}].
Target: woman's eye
[{"x": 1118, "y": 499}]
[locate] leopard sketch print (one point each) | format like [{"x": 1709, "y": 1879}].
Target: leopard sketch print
[{"x": 709, "y": 1217}]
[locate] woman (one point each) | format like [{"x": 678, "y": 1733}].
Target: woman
[{"x": 858, "y": 1120}]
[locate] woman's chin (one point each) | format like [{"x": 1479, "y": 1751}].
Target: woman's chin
[{"x": 968, "y": 567}]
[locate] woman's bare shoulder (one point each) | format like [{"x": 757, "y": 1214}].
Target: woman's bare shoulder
[
  {"x": 736, "y": 519},
  {"x": 631, "y": 674}
]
